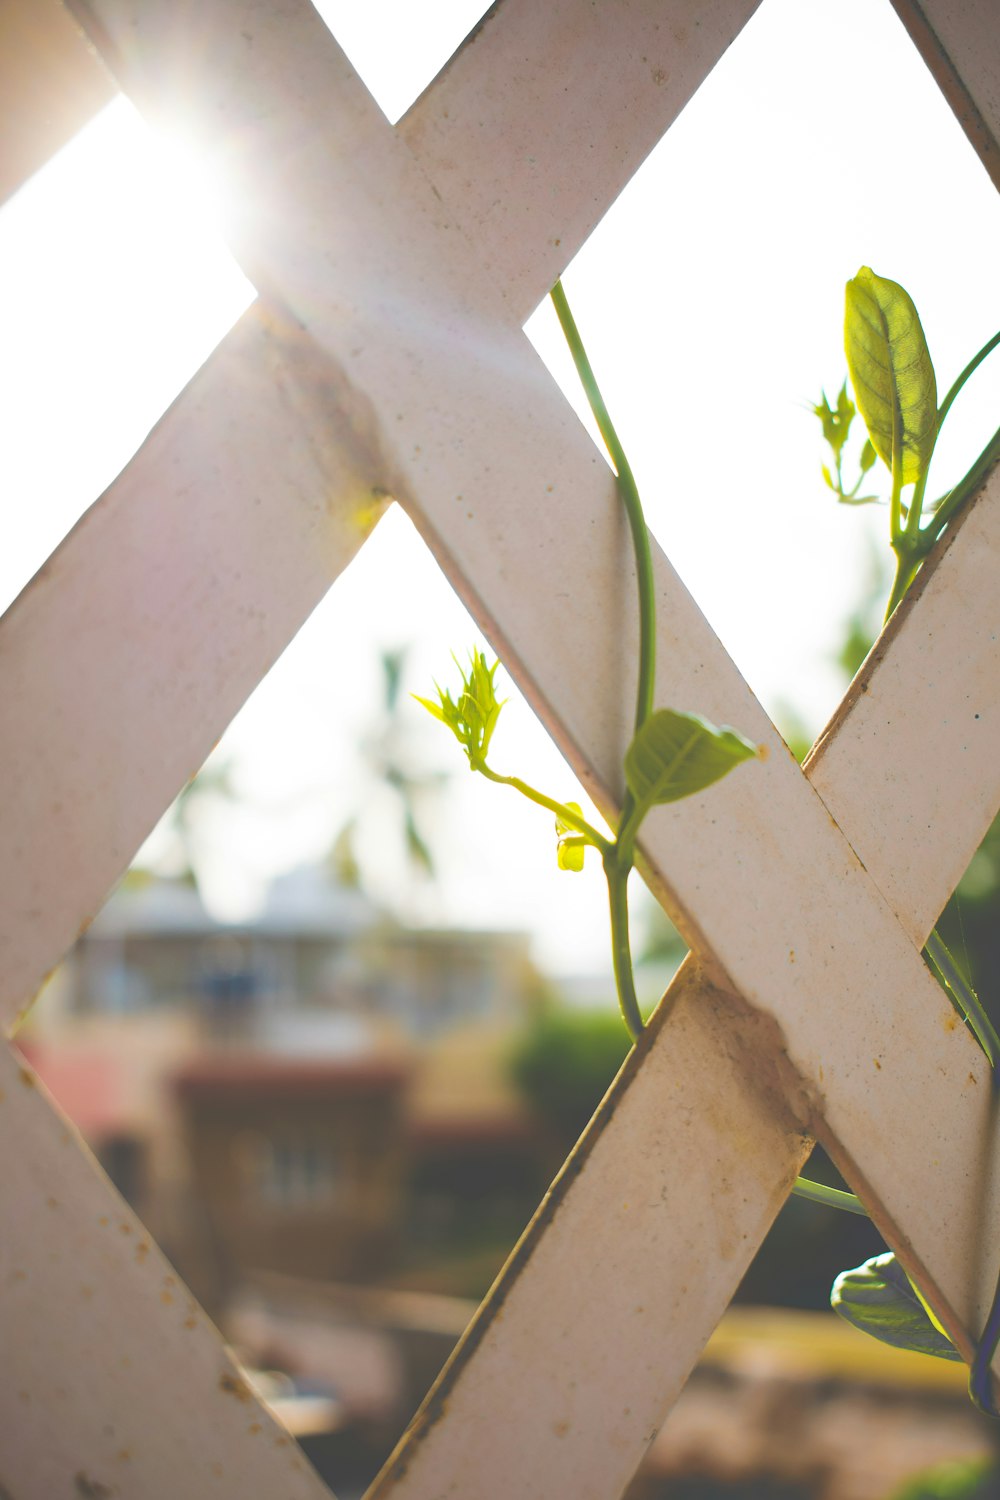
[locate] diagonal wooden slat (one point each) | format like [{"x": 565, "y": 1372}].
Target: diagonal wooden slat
[
  {"x": 595, "y": 1322},
  {"x": 715, "y": 678},
  {"x": 113, "y": 1381},
  {"x": 958, "y": 44},
  {"x": 908, "y": 754},
  {"x": 50, "y": 82},
  {"x": 603, "y": 81}
]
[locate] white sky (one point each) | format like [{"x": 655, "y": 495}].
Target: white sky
[{"x": 711, "y": 302}]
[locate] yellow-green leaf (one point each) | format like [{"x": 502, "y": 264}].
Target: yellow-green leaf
[
  {"x": 569, "y": 853},
  {"x": 891, "y": 371},
  {"x": 675, "y": 755},
  {"x": 570, "y": 843}
]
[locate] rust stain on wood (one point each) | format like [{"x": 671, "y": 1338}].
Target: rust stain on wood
[{"x": 233, "y": 1385}]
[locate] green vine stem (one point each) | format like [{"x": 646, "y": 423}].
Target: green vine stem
[
  {"x": 618, "y": 858},
  {"x": 818, "y": 1192},
  {"x": 980, "y": 1377},
  {"x": 966, "y": 486},
  {"x": 472, "y": 718},
  {"x": 630, "y": 499},
  {"x": 560, "y": 809},
  {"x": 965, "y": 998},
  {"x": 960, "y": 380},
  {"x": 911, "y": 542},
  {"x": 621, "y": 953}
]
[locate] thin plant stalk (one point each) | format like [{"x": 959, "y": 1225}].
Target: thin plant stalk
[
  {"x": 617, "y": 858},
  {"x": 965, "y": 997},
  {"x": 630, "y": 499},
  {"x": 818, "y": 1192}
]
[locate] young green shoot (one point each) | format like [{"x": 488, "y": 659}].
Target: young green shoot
[
  {"x": 895, "y": 388},
  {"x": 672, "y": 754}
]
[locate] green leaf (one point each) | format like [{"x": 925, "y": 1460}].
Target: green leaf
[
  {"x": 868, "y": 456},
  {"x": 675, "y": 755},
  {"x": 570, "y": 843},
  {"x": 431, "y": 707},
  {"x": 891, "y": 371},
  {"x": 880, "y": 1299}
]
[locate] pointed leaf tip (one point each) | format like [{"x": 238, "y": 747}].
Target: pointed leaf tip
[{"x": 675, "y": 755}]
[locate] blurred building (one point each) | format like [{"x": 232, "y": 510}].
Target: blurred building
[
  {"x": 305, "y": 1093},
  {"x": 299, "y": 1163}
]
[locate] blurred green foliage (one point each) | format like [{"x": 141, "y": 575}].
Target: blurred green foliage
[
  {"x": 564, "y": 1061},
  {"x": 975, "y": 1479}
]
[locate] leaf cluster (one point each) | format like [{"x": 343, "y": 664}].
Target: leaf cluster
[
  {"x": 895, "y": 388},
  {"x": 473, "y": 718},
  {"x": 836, "y": 423}
]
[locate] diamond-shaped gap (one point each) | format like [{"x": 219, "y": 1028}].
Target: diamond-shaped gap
[
  {"x": 397, "y": 48},
  {"x": 298, "y": 748},
  {"x": 710, "y": 298},
  {"x": 116, "y": 286},
  {"x": 216, "y": 1020}
]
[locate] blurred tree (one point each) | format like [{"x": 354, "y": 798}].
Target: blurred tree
[
  {"x": 391, "y": 765},
  {"x": 182, "y": 832}
]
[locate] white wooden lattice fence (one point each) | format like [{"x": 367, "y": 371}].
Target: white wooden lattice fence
[{"x": 385, "y": 357}]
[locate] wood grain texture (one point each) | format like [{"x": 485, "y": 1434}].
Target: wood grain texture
[{"x": 538, "y": 122}]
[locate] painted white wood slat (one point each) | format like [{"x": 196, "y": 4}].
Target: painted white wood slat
[
  {"x": 958, "y": 40},
  {"x": 596, "y": 1321},
  {"x": 112, "y": 1382},
  {"x": 543, "y": 116},
  {"x": 908, "y": 763}
]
